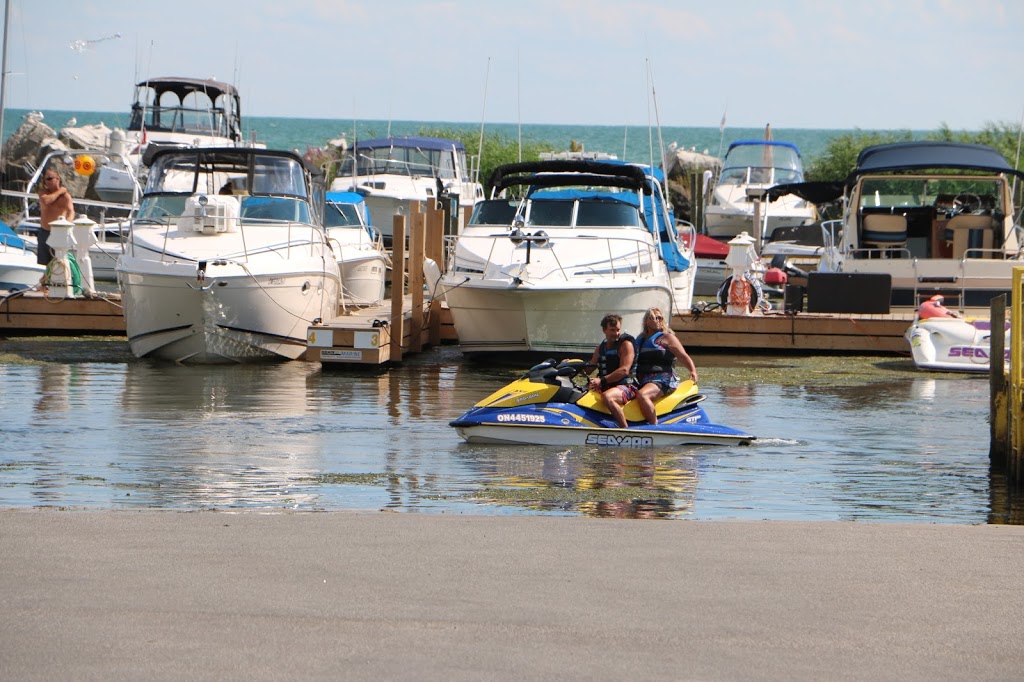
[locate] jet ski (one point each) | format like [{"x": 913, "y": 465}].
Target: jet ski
[
  {"x": 941, "y": 340},
  {"x": 546, "y": 407}
]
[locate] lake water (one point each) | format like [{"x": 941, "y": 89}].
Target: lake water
[{"x": 839, "y": 438}]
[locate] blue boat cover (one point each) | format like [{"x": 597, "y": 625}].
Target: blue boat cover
[{"x": 10, "y": 237}]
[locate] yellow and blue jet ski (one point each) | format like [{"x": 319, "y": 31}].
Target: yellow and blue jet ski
[{"x": 546, "y": 407}]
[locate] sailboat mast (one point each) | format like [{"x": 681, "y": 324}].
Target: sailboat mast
[{"x": 3, "y": 78}]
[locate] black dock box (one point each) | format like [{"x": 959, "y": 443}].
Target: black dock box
[{"x": 848, "y": 292}]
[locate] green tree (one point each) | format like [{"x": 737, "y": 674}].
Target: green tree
[{"x": 840, "y": 156}]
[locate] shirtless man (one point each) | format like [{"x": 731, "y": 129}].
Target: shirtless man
[{"x": 54, "y": 203}]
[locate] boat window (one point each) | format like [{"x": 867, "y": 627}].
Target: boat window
[
  {"x": 275, "y": 209},
  {"x": 494, "y": 212},
  {"x": 278, "y": 175},
  {"x": 342, "y": 215},
  {"x": 606, "y": 214},
  {"x": 951, "y": 194},
  {"x": 548, "y": 212},
  {"x": 160, "y": 208}
]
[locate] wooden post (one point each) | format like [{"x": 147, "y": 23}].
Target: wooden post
[
  {"x": 697, "y": 201},
  {"x": 1015, "y": 402},
  {"x": 418, "y": 227},
  {"x": 397, "y": 286},
  {"x": 999, "y": 424}
]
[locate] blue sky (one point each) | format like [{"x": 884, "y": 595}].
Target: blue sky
[{"x": 888, "y": 64}]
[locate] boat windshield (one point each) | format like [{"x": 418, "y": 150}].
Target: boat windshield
[
  {"x": 762, "y": 164},
  {"x": 342, "y": 215},
  {"x": 220, "y": 172},
  {"x": 410, "y": 161},
  {"x": 947, "y": 194}
]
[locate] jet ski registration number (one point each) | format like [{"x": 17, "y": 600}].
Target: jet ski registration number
[{"x": 532, "y": 418}]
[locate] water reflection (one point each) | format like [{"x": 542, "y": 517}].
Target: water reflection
[
  {"x": 847, "y": 440},
  {"x": 610, "y": 482}
]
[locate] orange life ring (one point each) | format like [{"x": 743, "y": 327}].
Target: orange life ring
[{"x": 745, "y": 292}]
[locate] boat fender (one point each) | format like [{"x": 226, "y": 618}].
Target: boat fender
[
  {"x": 432, "y": 279},
  {"x": 775, "y": 277},
  {"x": 743, "y": 293}
]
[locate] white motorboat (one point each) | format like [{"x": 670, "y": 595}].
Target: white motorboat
[
  {"x": 536, "y": 274},
  {"x": 749, "y": 169},
  {"x": 357, "y": 247},
  {"x": 170, "y": 112},
  {"x": 935, "y": 218},
  {"x": 392, "y": 171},
  {"x": 942, "y": 340},
  {"x": 227, "y": 260},
  {"x": 18, "y": 266}
]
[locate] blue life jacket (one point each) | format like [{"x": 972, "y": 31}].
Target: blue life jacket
[
  {"x": 608, "y": 359},
  {"x": 652, "y": 358}
]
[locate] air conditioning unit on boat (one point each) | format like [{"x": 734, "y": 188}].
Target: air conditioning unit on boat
[{"x": 212, "y": 214}]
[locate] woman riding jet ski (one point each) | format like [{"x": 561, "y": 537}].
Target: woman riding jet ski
[{"x": 545, "y": 407}]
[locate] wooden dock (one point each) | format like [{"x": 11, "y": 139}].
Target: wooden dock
[
  {"x": 804, "y": 332},
  {"x": 33, "y": 313}
]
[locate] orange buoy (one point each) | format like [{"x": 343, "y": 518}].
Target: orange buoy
[{"x": 85, "y": 165}]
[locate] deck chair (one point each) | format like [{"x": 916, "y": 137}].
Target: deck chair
[
  {"x": 884, "y": 231},
  {"x": 967, "y": 231}
]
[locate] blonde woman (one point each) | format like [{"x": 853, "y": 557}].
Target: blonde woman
[{"x": 657, "y": 349}]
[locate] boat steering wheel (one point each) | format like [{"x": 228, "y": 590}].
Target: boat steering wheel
[{"x": 966, "y": 202}]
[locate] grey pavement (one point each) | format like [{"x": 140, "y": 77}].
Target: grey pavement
[{"x": 378, "y": 596}]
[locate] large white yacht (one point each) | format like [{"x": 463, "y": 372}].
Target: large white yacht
[{"x": 227, "y": 260}]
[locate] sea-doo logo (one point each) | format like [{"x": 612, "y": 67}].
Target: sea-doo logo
[
  {"x": 527, "y": 398},
  {"x": 531, "y": 418},
  {"x": 620, "y": 441},
  {"x": 971, "y": 352}
]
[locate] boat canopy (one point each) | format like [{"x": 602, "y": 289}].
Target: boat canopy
[
  {"x": 819, "y": 192},
  {"x": 569, "y": 173},
  {"x": 183, "y": 86},
  {"x": 346, "y": 198},
  {"x": 920, "y": 155},
  {"x": 761, "y": 143},
  {"x": 426, "y": 143}
]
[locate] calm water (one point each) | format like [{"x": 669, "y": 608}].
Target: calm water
[
  {"x": 632, "y": 143},
  {"x": 87, "y": 426}
]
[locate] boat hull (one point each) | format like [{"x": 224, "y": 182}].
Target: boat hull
[
  {"x": 228, "y": 316},
  {"x": 493, "y": 319},
  {"x": 636, "y": 437}
]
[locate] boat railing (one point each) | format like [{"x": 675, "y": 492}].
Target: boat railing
[
  {"x": 831, "y": 233},
  {"x": 618, "y": 256},
  {"x": 292, "y": 239}
]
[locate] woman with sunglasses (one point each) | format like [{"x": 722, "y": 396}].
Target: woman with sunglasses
[{"x": 657, "y": 349}]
